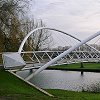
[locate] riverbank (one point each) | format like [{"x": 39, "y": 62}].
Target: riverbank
[
  {"x": 13, "y": 88},
  {"x": 71, "y": 95},
  {"x": 85, "y": 67}
]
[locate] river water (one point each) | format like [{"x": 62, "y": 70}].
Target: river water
[{"x": 67, "y": 80}]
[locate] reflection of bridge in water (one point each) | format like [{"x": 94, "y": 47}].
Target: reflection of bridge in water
[{"x": 43, "y": 59}]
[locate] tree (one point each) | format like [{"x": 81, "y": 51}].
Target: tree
[
  {"x": 13, "y": 28},
  {"x": 38, "y": 41},
  {"x": 10, "y": 10}
]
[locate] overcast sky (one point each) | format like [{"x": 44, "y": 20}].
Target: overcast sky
[{"x": 78, "y": 17}]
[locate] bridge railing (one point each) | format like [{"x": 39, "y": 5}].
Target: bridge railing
[{"x": 39, "y": 58}]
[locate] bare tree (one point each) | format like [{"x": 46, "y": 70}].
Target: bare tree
[{"x": 41, "y": 39}]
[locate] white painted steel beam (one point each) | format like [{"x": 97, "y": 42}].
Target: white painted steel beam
[{"x": 63, "y": 54}]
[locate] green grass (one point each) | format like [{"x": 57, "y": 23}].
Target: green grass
[
  {"x": 12, "y": 88},
  {"x": 78, "y": 65},
  {"x": 91, "y": 65},
  {"x": 70, "y": 95}
]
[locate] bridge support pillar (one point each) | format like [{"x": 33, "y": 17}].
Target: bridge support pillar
[
  {"x": 82, "y": 66},
  {"x": 31, "y": 70}
]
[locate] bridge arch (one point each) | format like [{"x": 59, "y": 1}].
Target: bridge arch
[{"x": 33, "y": 31}]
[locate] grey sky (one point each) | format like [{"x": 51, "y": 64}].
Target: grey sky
[{"x": 78, "y": 17}]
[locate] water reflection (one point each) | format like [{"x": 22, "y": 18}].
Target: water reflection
[
  {"x": 82, "y": 73},
  {"x": 67, "y": 80}
]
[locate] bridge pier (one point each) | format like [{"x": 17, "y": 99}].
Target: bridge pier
[
  {"x": 82, "y": 66},
  {"x": 31, "y": 70}
]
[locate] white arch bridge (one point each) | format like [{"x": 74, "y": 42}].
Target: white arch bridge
[{"x": 43, "y": 59}]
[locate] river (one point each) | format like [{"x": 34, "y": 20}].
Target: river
[{"x": 66, "y": 80}]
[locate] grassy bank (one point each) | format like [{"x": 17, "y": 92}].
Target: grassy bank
[
  {"x": 70, "y": 95},
  {"x": 77, "y": 66},
  {"x": 12, "y": 88}
]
